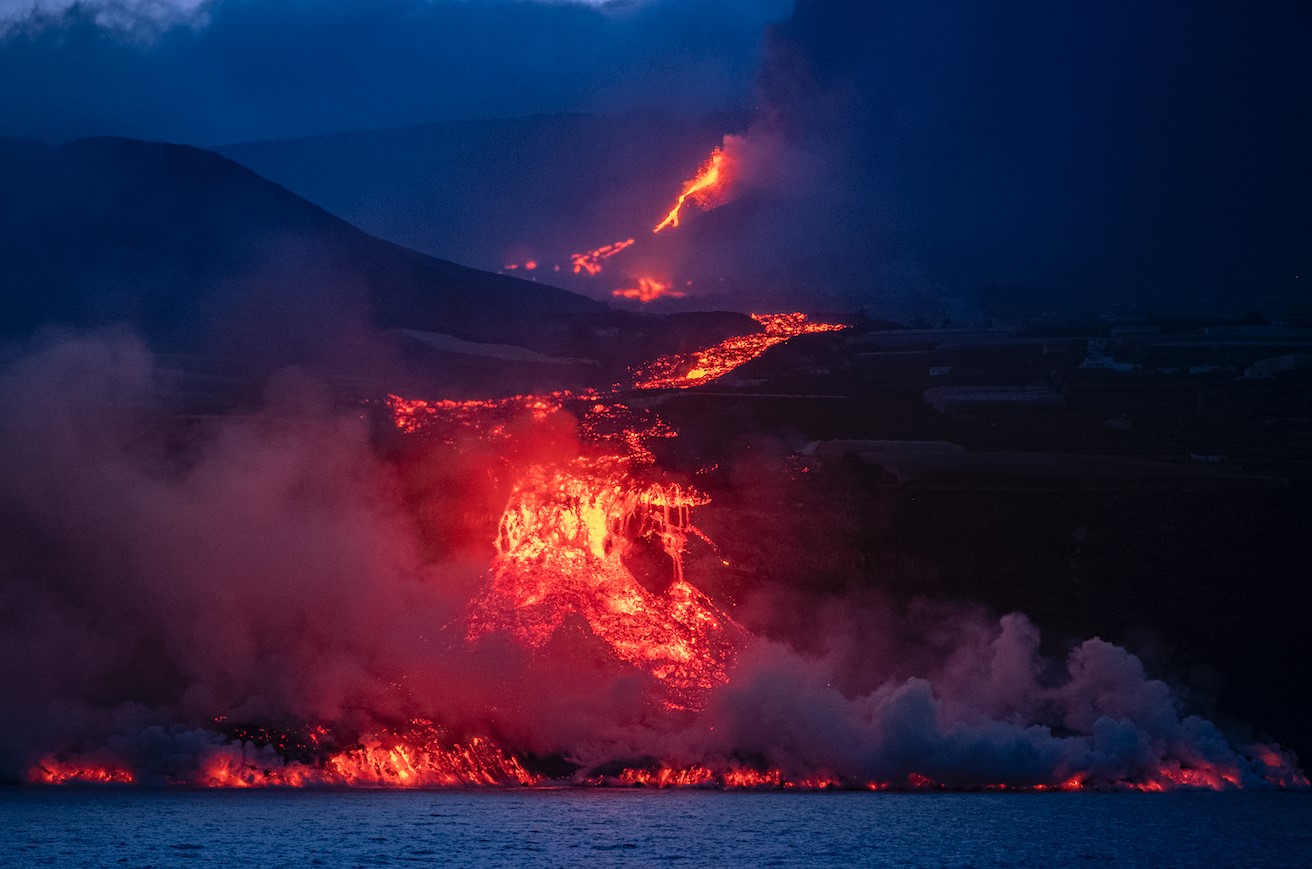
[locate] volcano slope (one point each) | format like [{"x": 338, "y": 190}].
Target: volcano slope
[{"x": 204, "y": 257}]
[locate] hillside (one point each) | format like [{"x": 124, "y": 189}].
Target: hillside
[
  {"x": 491, "y": 192},
  {"x": 205, "y": 257}
]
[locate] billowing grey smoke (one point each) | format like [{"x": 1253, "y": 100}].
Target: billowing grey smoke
[
  {"x": 257, "y": 568},
  {"x": 993, "y": 711}
]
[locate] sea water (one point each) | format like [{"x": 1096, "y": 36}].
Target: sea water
[{"x": 579, "y": 827}]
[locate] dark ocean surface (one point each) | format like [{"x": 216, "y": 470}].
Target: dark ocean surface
[{"x": 573, "y": 827}]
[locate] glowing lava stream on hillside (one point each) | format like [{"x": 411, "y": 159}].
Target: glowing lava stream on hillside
[
  {"x": 709, "y": 187},
  {"x": 683, "y": 371},
  {"x": 704, "y": 189}
]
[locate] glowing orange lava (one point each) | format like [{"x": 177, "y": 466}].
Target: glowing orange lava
[
  {"x": 561, "y": 548},
  {"x": 706, "y": 188},
  {"x": 589, "y": 262},
  {"x": 410, "y": 415},
  {"x": 53, "y": 771},
  {"x": 528, "y": 266},
  {"x": 567, "y": 531},
  {"x": 648, "y": 290},
  {"x": 684, "y": 370},
  {"x": 733, "y": 778},
  {"x": 418, "y": 757},
  {"x": 630, "y": 429},
  {"x": 1171, "y": 778}
]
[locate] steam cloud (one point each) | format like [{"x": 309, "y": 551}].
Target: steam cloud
[{"x": 161, "y": 574}]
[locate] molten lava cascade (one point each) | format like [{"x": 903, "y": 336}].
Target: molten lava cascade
[
  {"x": 706, "y": 189},
  {"x": 561, "y": 548},
  {"x": 682, "y": 370},
  {"x": 564, "y": 537}
]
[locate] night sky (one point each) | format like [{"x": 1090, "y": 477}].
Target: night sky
[{"x": 1048, "y": 155}]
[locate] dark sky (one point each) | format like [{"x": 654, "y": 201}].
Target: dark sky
[
  {"x": 1006, "y": 147},
  {"x": 227, "y": 70},
  {"x": 1152, "y": 151}
]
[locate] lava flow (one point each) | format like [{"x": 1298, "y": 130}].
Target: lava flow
[
  {"x": 418, "y": 756},
  {"x": 473, "y": 415},
  {"x": 561, "y": 546},
  {"x": 706, "y": 189},
  {"x": 648, "y": 290},
  {"x": 568, "y": 533},
  {"x": 589, "y": 263},
  {"x": 730, "y": 778},
  {"x": 587, "y": 576},
  {"x": 55, "y": 771},
  {"x": 682, "y": 371}
]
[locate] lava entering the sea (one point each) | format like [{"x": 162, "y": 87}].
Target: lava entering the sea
[
  {"x": 587, "y": 540},
  {"x": 417, "y": 756}
]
